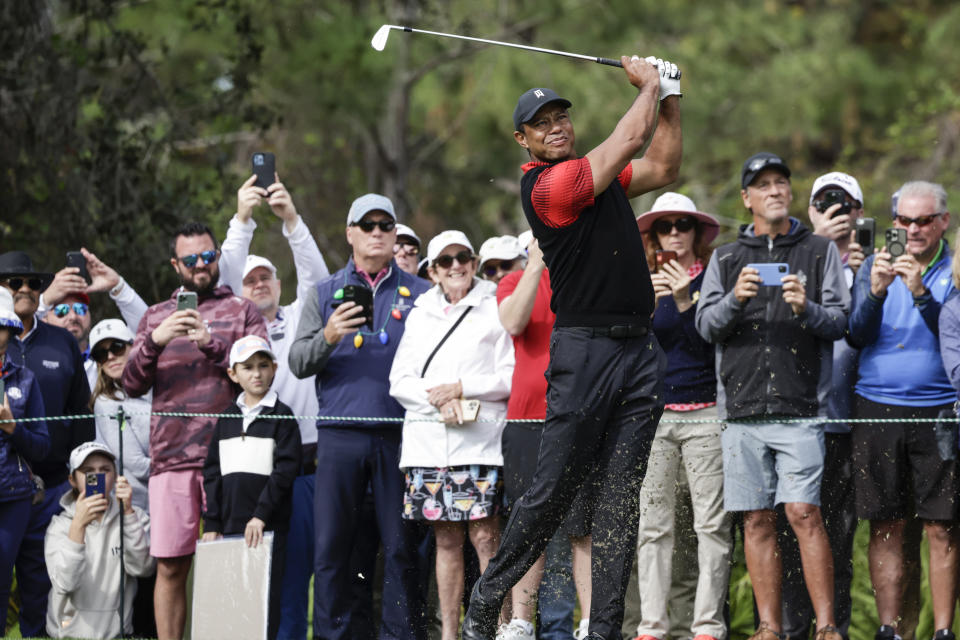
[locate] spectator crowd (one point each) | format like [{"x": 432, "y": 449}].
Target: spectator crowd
[{"x": 810, "y": 381}]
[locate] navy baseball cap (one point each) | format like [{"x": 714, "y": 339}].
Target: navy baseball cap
[
  {"x": 531, "y": 101},
  {"x": 757, "y": 163}
]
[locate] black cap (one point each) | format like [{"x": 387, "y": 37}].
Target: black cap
[
  {"x": 531, "y": 101},
  {"x": 18, "y": 263},
  {"x": 757, "y": 163}
]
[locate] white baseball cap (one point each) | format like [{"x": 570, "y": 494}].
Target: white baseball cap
[
  {"x": 111, "y": 328},
  {"x": 500, "y": 248},
  {"x": 367, "y": 203},
  {"x": 404, "y": 230},
  {"x": 254, "y": 262},
  {"x": 246, "y": 346},
  {"x": 443, "y": 240},
  {"x": 87, "y": 449},
  {"x": 8, "y": 318},
  {"x": 837, "y": 179}
]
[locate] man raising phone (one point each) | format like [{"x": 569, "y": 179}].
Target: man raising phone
[{"x": 182, "y": 353}]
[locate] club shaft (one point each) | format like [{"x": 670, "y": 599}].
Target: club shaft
[{"x": 566, "y": 54}]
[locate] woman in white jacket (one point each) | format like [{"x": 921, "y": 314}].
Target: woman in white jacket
[
  {"x": 110, "y": 342},
  {"x": 82, "y": 550},
  {"x": 454, "y": 465}
]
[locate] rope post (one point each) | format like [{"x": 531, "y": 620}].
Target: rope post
[{"x": 121, "y": 423}]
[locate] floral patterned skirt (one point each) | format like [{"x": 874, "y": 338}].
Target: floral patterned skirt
[{"x": 453, "y": 494}]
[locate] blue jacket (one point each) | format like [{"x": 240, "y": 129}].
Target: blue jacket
[
  {"x": 53, "y": 356},
  {"x": 29, "y": 440},
  {"x": 355, "y": 381},
  {"x": 900, "y": 358}
]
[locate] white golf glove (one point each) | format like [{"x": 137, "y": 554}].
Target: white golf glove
[{"x": 669, "y": 77}]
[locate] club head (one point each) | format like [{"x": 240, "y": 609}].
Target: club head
[{"x": 380, "y": 37}]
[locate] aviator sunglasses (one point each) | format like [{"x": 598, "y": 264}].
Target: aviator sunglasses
[
  {"x": 406, "y": 249},
  {"x": 367, "y": 225},
  {"x": 34, "y": 283},
  {"x": 190, "y": 261},
  {"x": 446, "y": 260},
  {"x": 921, "y": 221},
  {"x": 101, "y": 353},
  {"x": 663, "y": 227},
  {"x": 63, "y": 309}
]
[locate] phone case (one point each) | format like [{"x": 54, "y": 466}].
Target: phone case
[
  {"x": 771, "y": 272},
  {"x": 470, "y": 409},
  {"x": 264, "y": 167},
  {"x": 186, "y": 300},
  {"x": 76, "y": 259},
  {"x": 96, "y": 483}
]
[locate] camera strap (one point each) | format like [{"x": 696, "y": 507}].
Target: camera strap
[{"x": 444, "y": 339}]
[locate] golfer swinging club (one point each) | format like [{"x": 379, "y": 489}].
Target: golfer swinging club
[{"x": 603, "y": 398}]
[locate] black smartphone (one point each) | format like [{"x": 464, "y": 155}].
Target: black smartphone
[
  {"x": 359, "y": 295},
  {"x": 866, "y": 231},
  {"x": 76, "y": 259},
  {"x": 896, "y": 240},
  {"x": 663, "y": 257},
  {"x": 187, "y": 300},
  {"x": 96, "y": 483},
  {"x": 264, "y": 167}
]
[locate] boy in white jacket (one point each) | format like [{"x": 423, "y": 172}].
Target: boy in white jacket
[{"x": 82, "y": 549}]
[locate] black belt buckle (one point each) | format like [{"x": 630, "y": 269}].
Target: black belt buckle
[{"x": 620, "y": 331}]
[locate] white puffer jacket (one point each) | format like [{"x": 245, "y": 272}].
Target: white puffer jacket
[{"x": 479, "y": 353}]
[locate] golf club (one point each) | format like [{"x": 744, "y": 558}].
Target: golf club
[{"x": 380, "y": 41}]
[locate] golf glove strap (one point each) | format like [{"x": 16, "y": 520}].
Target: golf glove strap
[{"x": 669, "y": 77}]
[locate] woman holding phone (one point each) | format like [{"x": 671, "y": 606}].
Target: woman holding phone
[{"x": 680, "y": 236}]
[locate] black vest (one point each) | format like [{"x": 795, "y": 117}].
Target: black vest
[{"x": 598, "y": 268}]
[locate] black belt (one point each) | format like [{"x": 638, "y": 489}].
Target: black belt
[
  {"x": 620, "y": 331},
  {"x": 308, "y": 461}
]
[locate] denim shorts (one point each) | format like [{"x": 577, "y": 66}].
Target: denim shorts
[{"x": 771, "y": 463}]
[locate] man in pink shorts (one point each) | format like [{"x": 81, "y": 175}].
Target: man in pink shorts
[{"x": 181, "y": 351}]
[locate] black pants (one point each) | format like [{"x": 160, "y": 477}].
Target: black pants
[
  {"x": 840, "y": 521},
  {"x": 603, "y": 404}
]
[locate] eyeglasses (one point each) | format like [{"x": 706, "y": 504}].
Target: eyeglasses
[
  {"x": 490, "y": 268},
  {"x": 406, "y": 249},
  {"x": 446, "y": 260},
  {"x": 921, "y": 221},
  {"x": 101, "y": 353},
  {"x": 208, "y": 257},
  {"x": 16, "y": 283},
  {"x": 664, "y": 227},
  {"x": 63, "y": 309},
  {"x": 367, "y": 225}
]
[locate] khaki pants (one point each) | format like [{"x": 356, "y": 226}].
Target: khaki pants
[{"x": 696, "y": 449}]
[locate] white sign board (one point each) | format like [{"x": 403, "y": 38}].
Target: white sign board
[{"x": 231, "y": 589}]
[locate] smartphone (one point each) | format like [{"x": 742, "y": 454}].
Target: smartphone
[
  {"x": 896, "y": 240},
  {"x": 264, "y": 167},
  {"x": 76, "y": 259},
  {"x": 96, "y": 483},
  {"x": 664, "y": 257},
  {"x": 771, "y": 272},
  {"x": 866, "y": 231},
  {"x": 187, "y": 300},
  {"x": 3, "y": 387},
  {"x": 362, "y": 296}
]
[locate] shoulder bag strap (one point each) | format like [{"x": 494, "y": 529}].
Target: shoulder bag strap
[{"x": 444, "y": 339}]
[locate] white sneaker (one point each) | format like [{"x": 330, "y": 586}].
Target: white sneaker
[
  {"x": 513, "y": 631},
  {"x": 582, "y": 630}
]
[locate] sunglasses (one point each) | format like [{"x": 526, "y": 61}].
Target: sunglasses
[
  {"x": 760, "y": 163},
  {"x": 490, "y": 269},
  {"x": 208, "y": 257},
  {"x": 367, "y": 225},
  {"x": 663, "y": 227},
  {"x": 406, "y": 249},
  {"x": 63, "y": 309},
  {"x": 101, "y": 353},
  {"x": 922, "y": 221},
  {"x": 16, "y": 283},
  {"x": 446, "y": 260}
]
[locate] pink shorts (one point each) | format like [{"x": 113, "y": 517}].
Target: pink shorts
[{"x": 177, "y": 502}]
